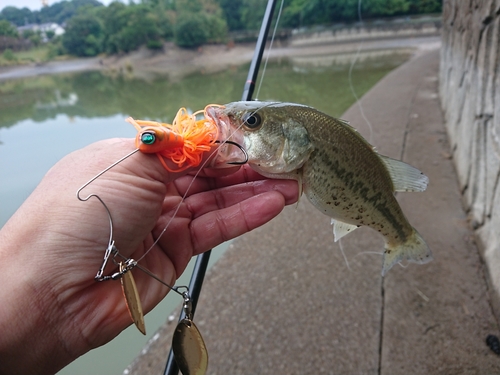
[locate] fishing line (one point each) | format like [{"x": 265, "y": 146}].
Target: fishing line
[
  {"x": 341, "y": 246},
  {"x": 269, "y": 50},
  {"x": 351, "y": 86}
]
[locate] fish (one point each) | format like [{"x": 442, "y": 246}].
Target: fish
[{"x": 340, "y": 172}]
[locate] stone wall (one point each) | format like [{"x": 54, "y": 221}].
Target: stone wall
[{"x": 470, "y": 96}]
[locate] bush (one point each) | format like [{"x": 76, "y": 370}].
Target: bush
[
  {"x": 190, "y": 30},
  {"x": 54, "y": 50},
  {"x": 154, "y": 44},
  {"x": 9, "y": 55},
  {"x": 49, "y": 34},
  {"x": 35, "y": 39},
  {"x": 28, "y": 34}
]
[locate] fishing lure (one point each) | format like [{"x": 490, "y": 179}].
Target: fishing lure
[{"x": 183, "y": 142}]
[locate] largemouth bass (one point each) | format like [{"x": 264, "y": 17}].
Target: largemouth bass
[{"x": 337, "y": 169}]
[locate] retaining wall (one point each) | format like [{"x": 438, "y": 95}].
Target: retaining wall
[{"x": 470, "y": 96}]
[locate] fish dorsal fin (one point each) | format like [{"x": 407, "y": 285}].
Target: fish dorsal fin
[
  {"x": 405, "y": 177},
  {"x": 340, "y": 229}
]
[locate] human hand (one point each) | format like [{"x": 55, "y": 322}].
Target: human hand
[{"x": 52, "y": 309}]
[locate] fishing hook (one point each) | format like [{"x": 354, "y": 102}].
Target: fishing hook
[{"x": 241, "y": 149}]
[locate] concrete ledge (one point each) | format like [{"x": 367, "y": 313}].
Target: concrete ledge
[{"x": 283, "y": 301}]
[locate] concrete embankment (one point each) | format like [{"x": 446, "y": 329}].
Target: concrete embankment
[{"x": 470, "y": 95}]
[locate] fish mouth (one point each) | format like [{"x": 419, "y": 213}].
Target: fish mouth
[{"x": 228, "y": 154}]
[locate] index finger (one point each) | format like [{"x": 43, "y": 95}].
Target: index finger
[{"x": 186, "y": 184}]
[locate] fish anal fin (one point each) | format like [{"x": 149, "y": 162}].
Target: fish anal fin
[
  {"x": 405, "y": 178},
  {"x": 414, "y": 250},
  {"x": 340, "y": 229}
]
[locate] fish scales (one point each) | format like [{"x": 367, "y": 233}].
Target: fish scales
[
  {"x": 344, "y": 178},
  {"x": 339, "y": 171}
]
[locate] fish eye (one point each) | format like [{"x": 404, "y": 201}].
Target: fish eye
[{"x": 252, "y": 121}]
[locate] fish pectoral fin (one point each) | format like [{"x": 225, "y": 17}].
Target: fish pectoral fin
[
  {"x": 340, "y": 229},
  {"x": 405, "y": 178}
]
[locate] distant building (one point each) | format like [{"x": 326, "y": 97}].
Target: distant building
[{"x": 42, "y": 28}]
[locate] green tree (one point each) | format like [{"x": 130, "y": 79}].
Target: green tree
[
  {"x": 62, "y": 11},
  {"x": 6, "y": 29},
  {"x": 83, "y": 36},
  {"x": 232, "y": 13},
  {"x": 252, "y": 12},
  {"x": 247, "y": 14},
  {"x": 18, "y": 17},
  {"x": 128, "y": 27},
  {"x": 376, "y": 8},
  {"x": 216, "y": 29},
  {"x": 188, "y": 6},
  {"x": 425, "y": 6},
  {"x": 190, "y": 31}
]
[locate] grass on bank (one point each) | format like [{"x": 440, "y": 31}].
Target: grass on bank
[{"x": 38, "y": 54}]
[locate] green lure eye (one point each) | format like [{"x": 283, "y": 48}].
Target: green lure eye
[{"x": 148, "y": 138}]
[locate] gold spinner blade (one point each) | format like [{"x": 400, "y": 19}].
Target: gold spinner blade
[{"x": 132, "y": 298}]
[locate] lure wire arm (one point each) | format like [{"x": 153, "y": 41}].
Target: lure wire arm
[
  {"x": 99, "y": 175},
  {"x": 111, "y": 249}
]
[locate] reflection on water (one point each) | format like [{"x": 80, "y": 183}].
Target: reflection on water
[{"x": 44, "y": 118}]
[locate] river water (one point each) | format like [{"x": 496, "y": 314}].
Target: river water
[{"x": 44, "y": 118}]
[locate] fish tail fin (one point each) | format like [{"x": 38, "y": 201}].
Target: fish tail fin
[{"x": 414, "y": 250}]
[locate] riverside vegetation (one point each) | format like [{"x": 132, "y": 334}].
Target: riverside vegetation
[{"x": 92, "y": 28}]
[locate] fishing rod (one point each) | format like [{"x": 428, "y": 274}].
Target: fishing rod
[{"x": 201, "y": 264}]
